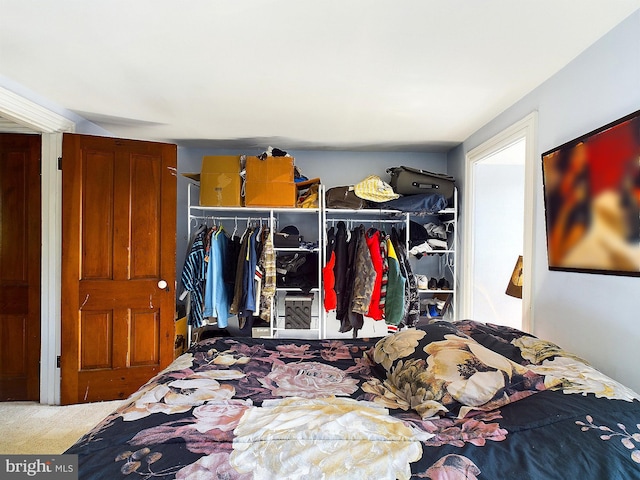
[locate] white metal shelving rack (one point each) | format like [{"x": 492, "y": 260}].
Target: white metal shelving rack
[
  {"x": 447, "y": 259},
  {"x": 275, "y": 218},
  {"x": 318, "y": 220}
]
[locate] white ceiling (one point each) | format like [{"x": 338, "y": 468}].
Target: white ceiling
[{"x": 346, "y": 74}]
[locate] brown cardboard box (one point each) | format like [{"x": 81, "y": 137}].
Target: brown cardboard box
[
  {"x": 220, "y": 181},
  {"x": 274, "y": 194},
  {"x": 181, "y": 342},
  {"x": 269, "y": 182}
]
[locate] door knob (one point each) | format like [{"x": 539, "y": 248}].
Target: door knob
[{"x": 162, "y": 285}]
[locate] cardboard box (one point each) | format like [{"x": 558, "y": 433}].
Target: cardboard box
[
  {"x": 269, "y": 182},
  {"x": 181, "y": 343},
  {"x": 261, "y": 332},
  {"x": 220, "y": 181},
  {"x": 274, "y": 194}
]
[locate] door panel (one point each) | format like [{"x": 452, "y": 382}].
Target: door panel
[
  {"x": 144, "y": 238},
  {"x": 118, "y": 228},
  {"x": 20, "y": 208},
  {"x": 95, "y": 350},
  {"x": 97, "y": 203}
]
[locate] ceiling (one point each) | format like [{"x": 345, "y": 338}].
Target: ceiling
[{"x": 415, "y": 75}]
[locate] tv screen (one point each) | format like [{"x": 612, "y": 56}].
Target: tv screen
[{"x": 592, "y": 200}]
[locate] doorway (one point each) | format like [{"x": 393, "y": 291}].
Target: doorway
[
  {"x": 20, "y": 200},
  {"x": 21, "y": 115},
  {"x": 498, "y": 226},
  {"x": 498, "y": 234}
]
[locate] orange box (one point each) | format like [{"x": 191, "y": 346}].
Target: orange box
[
  {"x": 269, "y": 182},
  {"x": 274, "y": 194},
  {"x": 220, "y": 181}
]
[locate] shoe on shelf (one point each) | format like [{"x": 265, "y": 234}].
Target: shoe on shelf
[
  {"x": 422, "y": 282},
  {"x": 443, "y": 284},
  {"x": 433, "y": 311},
  {"x": 432, "y": 284}
]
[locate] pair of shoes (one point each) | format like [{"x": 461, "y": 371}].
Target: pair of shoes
[{"x": 425, "y": 283}]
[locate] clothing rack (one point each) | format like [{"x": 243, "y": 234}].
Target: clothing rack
[
  {"x": 353, "y": 221},
  {"x": 252, "y": 218},
  {"x": 235, "y": 219}
]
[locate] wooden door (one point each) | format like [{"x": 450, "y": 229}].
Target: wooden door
[
  {"x": 118, "y": 248},
  {"x": 20, "y": 206}
]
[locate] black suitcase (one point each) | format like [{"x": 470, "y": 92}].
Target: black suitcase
[{"x": 412, "y": 181}]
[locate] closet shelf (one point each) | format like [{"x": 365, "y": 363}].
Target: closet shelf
[
  {"x": 242, "y": 211},
  {"x": 297, "y": 289},
  {"x": 363, "y": 211},
  {"x": 436, "y": 252}
]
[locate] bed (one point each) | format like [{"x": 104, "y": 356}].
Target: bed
[{"x": 461, "y": 400}]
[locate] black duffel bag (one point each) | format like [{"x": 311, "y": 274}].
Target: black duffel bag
[{"x": 411, "y": 181}]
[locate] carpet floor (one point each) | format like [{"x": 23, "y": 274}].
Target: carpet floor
[{"x": 31, "y": 428}]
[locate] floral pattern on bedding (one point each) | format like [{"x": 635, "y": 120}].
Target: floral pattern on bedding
[
  {"x": 630, "y": 441},
  {"x": 263, "y": 409},
  {"x": 436, "y": 369}
]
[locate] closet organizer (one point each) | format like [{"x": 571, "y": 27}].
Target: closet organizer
[
  {"x": 366, "y": 275},
  {"x": 259, "y": 304},
  {"x": 428, "y": 278}
]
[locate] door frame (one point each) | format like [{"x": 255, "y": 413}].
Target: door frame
[
  {"x": 525, "y": 128},
  {"x": 51, "y": 126}
]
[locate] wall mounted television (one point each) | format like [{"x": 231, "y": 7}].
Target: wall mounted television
[{"x": 592, "y": 200}]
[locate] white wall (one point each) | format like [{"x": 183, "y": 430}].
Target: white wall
[{"x": 595, "y": 316}]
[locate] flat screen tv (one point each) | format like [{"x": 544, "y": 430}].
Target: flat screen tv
[{"x": 592, "y": 200}]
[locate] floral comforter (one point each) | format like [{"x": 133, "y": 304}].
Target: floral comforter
[{"x": 243, "y": 408}]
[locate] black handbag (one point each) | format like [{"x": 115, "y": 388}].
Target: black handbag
[
  {"x": 411, "y": 181},
  {"x": 343, "y": 197},
  {"x": 288, "y": 237}
]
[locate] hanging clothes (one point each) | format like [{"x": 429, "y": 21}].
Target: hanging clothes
[
  {"x": 216, "y": 299},
  {"x": 238, "y": 282},
  {"x": 412, "y": 297},
  {"x": 372, "y": 237},
  {"x": 384, "y": 280},
  {"x": 268, "y": 266},
  {"x": 394, "y": 306},
  {"x": 328, "y": 273},
  {"x": 193, "y": 278},
  {"x": 231, "y": 264},
  {"x": 340, "y": 269},
  {"x": 248, "y": 302},
  {"x": 364, "y": 275},
  {"x": 352, "y": 319},
  {"x": 349, "y": 319}
]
